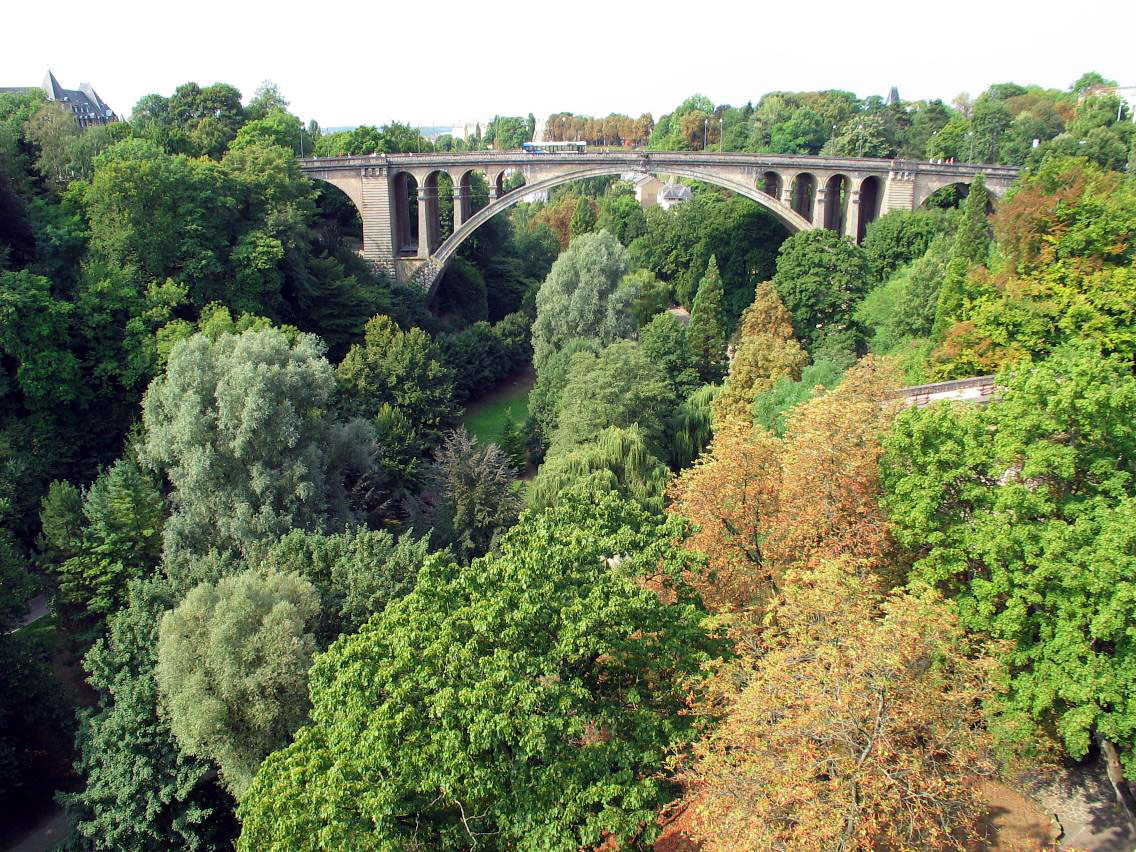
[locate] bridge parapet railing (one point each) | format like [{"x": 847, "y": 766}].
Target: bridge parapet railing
[{"x": 974, "y": 389}]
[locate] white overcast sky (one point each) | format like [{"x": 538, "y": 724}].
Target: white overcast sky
[{"x": 437, "y": 62}]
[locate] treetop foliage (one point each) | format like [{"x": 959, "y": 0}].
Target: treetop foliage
[
  {"x": 581, "y": 296},
  {"x": 891, "y": 688},
  {"x": 232, "y": 666},
  {"x": 1022, "y": 511},
  {"x": 241, "y": 428},
  {"x": 550, "y": 732}
]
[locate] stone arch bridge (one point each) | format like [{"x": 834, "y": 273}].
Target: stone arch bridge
[{"x": 840, "y": 193}]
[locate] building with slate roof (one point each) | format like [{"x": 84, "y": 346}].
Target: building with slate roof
[{"x": 85, "y": 104}]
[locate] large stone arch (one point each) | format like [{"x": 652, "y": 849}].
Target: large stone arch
[{"x": 445, "y": 252}]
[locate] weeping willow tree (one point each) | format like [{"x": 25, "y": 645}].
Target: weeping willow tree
[
  {"x": 617, "y": 460},
  {"x": 691, "y": 426}
]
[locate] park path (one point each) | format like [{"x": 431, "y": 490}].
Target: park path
[
  {"x": 1084, "y": 803},
  {"x": 45, "y": 835}
]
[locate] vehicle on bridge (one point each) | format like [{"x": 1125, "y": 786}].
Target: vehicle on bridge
[{"x": 554, "y": 147}]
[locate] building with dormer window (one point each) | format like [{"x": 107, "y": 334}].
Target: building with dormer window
[{"x": 84, "y": 103}]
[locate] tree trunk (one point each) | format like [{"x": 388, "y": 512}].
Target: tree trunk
[{"x": 1116, "y": 775}]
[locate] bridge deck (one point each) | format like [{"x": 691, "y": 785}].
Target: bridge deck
[{"x": 657, "y": 160}]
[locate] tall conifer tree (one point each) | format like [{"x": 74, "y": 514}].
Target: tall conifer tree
[{"x": 707, "y": 336}]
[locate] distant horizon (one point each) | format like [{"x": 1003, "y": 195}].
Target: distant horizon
[{"x": 373, "y": 66}]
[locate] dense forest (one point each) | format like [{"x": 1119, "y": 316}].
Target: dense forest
[{"x": 717, "y": 570}]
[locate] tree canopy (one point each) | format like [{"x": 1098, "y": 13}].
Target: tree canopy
[{"x": 550, "y": 733}]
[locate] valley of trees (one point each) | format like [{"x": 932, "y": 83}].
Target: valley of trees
[{"x": 719, "y": 570}]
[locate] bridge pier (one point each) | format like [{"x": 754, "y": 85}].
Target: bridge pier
[
  {"x": 427, "y": 221},
  {"x": 461, "y": 205},
  {"x": 852, "y": 219},
  {"x": 819, "y": 209},
  {"x": 787, "y": 193}
]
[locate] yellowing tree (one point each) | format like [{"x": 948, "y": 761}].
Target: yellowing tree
[
  {"x": 765, "y": 350},
  {"x": 828, "y": 504},
  {"x": 732, "y": 493},
  {"x": 855, "y": 725}
]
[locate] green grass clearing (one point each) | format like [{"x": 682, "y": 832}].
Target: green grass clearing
[{"x": 485, "y": 418}]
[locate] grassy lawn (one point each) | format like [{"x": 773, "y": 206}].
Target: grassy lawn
[
  {"x": 42, "y": 629},
  {"x": 485, "y": 418}
]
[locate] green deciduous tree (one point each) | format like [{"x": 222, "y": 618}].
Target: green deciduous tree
[
  {"x": 578, "y": 298},
  {"x": 399, "y": 368},
  {"x": 1024, "y": 511},
  {"x": 276, "y": 127},
  {"x": 34, "y": 331},
  {"x": 117, "y": 538},
  {"x": 615, "y": 460},
  {"x": 903, "y": 307},
  {"x": 664, "y": 341},
  {"x": 232, "y": 669},
  {"x": 584, "y": 217},
  {"x": 738, "y": 232},
  {"x": 623, "y": 216},
  {"x": 544, "y": 399},
  {"x": 772, "y": 407},
  {"x": 618, "y": 387},
  {"x": 652, "y": 296},
  {"x": 356, "y": 572},
  {"x": 902, "y": 236},
  {"x": 527, "y": 700},
  {"x": 241, "y": 428},
  {"x": 690, "y": 428},
  {"x": 141, "y": 791},
  {"x": 821, "y": 276}
]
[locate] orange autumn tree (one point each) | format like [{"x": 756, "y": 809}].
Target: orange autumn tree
[
  {"x": 854, "y": 725},
  {"x": 731, "y": 493},
  {"x": 828, "y": 505},
  {"x": 763, "y": 505}
]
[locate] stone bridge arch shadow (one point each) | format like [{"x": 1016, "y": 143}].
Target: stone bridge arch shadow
[
  {"x": 338, "y": 219},
  {"x": 431, "y": 273}
]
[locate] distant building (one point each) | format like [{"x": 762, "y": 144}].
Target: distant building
[
  {"x": 468, "y": 130},
  {"x": 893, "y": 96},
  {"x": 646, "y": 188},
  {"x": 1125, "y": 93},
  {"x": 674, "y": 193},
  {"x": 85, "y": 104}
]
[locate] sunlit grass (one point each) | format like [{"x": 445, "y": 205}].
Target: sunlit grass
[{"x": 486, "y": 420}]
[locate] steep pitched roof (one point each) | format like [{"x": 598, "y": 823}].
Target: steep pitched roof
[{"x": 51, "y": 87}]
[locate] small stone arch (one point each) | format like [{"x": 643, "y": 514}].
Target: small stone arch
[
  {"x": 339, "y": 217},
  {"x": 871, "y": 196},
  {"x": 962, "y": 188},
  {"x": 430, "y": 195},
  {"x": 405, "y": 198},
  {"x": 771, "y": 184},
  {"x": 804, "y": 195},
  {"x": 493, "y": 177},
  {"x": 837, "y": 192},
  {"x": 508, "y": 181}
]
